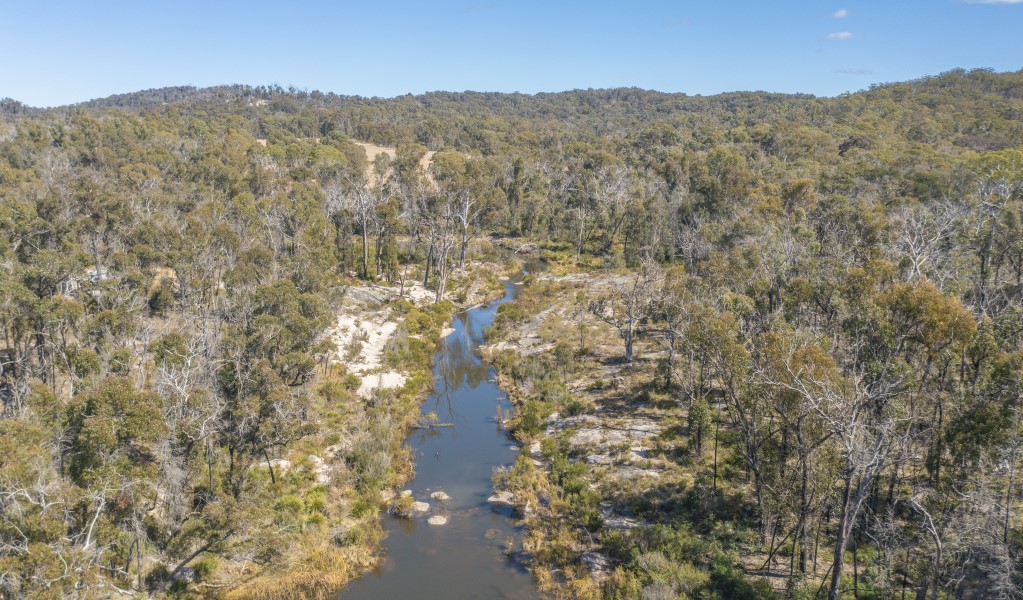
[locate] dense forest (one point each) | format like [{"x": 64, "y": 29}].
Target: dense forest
[{"x": 825, "y": 295}]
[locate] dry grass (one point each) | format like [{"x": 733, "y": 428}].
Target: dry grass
[
  {"x": 372, "y": 151},
  {"x": 161, "y": 274},
  {"x": 318, "y": 572}
]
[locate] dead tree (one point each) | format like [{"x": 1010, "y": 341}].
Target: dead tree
[{"x": 625, "y": 307}]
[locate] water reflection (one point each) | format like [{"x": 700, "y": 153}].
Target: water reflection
[
  {"x": 466, "y": 557},
  {"x": 457, "y": 361}
]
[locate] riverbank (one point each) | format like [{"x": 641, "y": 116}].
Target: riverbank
[
  {"x": 615, "y": 484},
  {"x": 446, "y": 539},
  {"x": 335, "y": 483}
]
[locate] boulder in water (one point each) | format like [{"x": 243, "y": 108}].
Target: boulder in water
[{"x": 502, "y": 498}]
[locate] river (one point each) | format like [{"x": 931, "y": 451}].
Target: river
[{"x": 465, "y": 558}]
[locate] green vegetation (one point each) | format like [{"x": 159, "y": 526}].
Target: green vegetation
[{"x": 813, "y": 306}]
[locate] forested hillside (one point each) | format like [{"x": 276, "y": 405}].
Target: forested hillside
[{"x": 821, "y": 298}]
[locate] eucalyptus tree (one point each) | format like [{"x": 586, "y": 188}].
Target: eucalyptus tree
[{"x": 625, "y": 304}]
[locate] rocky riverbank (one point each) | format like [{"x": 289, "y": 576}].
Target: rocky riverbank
[{"x": 601, "y": 443}]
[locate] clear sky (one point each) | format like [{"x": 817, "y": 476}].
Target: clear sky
[{"x": 54, "y": 53}]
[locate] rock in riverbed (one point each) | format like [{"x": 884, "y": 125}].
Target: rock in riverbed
[
  {"x": 440, "y": 495},
  {"x": 437, "y": 520},
  {"x": 502, "y": 498}
]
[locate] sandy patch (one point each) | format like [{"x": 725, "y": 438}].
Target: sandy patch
[
  {"x": 361, "y": 339},
  {"x": 378, "y": 294},
  {"x": 372, "y": 151},
  {"x": 362, "y": 333},
  {"x": 418, "y": 294},
  {"x": 385, "y": 380}
]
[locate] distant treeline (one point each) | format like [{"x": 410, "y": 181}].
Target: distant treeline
[{"x": 846, "y": 271}]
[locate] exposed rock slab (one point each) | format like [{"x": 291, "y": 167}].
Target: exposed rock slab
[
  {"x": 502, "y": 499},
  {"x": 320, "y": 469},
  {"x": 633, "y": 473},
  {"x": 597, "y": 562}
]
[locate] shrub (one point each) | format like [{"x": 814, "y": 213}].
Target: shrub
[
  {"x": 335, "y": 391},
  {"x": 204, "y": 566},
  {"x": 290, "y": 504},
  {"x": 316, "y": 501},
  {"x": 162, "y": 300},
  {"x": 352, "y": 382},
  {"x": 531, "y": 418}
]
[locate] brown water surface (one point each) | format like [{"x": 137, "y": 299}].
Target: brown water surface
[{"x": 467, "y": 557}]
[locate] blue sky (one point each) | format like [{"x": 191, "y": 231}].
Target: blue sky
[{"x": 54, "y": 53}]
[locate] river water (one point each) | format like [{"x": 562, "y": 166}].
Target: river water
[{"x": 466, "y": 558}]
